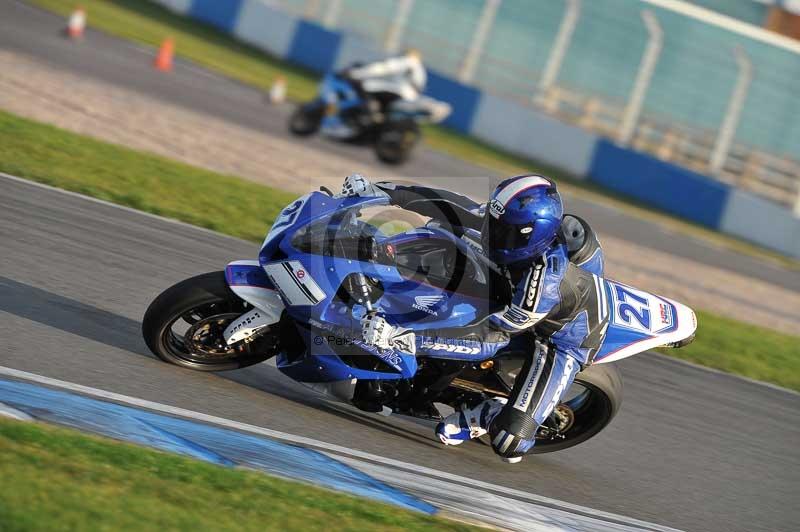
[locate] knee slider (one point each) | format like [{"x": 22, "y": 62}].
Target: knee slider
[{"x": 512, "y": 432}]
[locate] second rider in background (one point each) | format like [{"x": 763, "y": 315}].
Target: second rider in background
[
  {"x": 379, "y": 84},
  {"x": 401, "y": 77}
]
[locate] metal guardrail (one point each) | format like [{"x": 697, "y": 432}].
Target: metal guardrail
[
  {"x": 771, "y": 176},
  {"x": 627, "y": 120}
]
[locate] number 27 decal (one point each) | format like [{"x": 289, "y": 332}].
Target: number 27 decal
[{"x": 633, "y": 310}]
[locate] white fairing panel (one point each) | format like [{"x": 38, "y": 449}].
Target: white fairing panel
[
  {"x": 640, "y": 321},
  {"x": 247, "y": 325},
  {"x": 262, "y": 297},
  {"x": 267, "y": 300},
  {"x": 294, "y": 282}
]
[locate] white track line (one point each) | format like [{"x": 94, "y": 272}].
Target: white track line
[
  {"x": 309, "y": 442},
  {"x": 222, "y": 235},
  {"x": 13, "y": 413}
]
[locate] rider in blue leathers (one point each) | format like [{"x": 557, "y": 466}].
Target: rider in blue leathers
[{"x": 552, "y": 262}]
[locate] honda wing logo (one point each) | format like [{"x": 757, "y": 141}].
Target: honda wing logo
[{"x": 426, "y": 303}]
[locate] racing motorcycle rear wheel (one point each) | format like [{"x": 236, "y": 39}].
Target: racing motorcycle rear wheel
[
  {"x": 585, "y": 409},
  {"x": 588, "y": 407},
  {"x": 184, "y": 326}
]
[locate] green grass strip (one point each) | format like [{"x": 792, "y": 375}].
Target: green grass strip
[
  {"x": 146, "y": 182},
  {"x": 743, "y": 349},
  {"x": 59, "y": 479},
  {"x": 148, "y": 23},
  {"x": 240, "y": 208}
]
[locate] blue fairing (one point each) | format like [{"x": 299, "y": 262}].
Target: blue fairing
[
  {"x": 247, "y": 275},
  {"x": 323, "y": 363},
  {"x": 318, "y": 245},
  {"x": 444, "y": 305},
  {"x": 414, "y": 303}
]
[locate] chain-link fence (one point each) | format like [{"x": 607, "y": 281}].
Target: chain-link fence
[{"x": 710, "y": 93}]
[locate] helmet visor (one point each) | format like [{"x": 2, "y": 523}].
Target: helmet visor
[{"x": 502, "y": 236}]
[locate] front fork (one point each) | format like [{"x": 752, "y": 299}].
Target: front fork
[{"x": 247, "y": 279}]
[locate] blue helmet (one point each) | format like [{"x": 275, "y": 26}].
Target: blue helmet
[{"x": 522, "y": 219}]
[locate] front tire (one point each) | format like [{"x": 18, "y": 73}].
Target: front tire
[
  {"x": 184, "y": 324},
  {"x": 395, "y": 141},
  {"x": 305, "y": 120}
]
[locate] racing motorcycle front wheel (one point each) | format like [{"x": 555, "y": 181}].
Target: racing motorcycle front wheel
[
  {"x": 184, "y": 326},
  {"x": 395, "y": 140},
  {"x": 306, "y": 119}
]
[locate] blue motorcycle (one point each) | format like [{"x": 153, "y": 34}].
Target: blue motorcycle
[
  {"x": 328, "y": 260},
  {"x": 388, "y": 123}
]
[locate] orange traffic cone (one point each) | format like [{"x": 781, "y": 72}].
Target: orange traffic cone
[
  {"x": 277, "y": 93},
  {"x": 76, "y": 23},
  {"x": 163, "y": 60}
]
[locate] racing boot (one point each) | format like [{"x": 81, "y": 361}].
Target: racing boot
[{"x": 469, "y": 423}]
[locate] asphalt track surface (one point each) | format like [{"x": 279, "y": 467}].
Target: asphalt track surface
[
  {"x": 28, "y": 30},
  {"x": 690, "y": 449}
]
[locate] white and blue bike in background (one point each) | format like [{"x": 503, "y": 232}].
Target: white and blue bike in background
[
  {"x": 327, "y": 260},
  {"x": 341, "y": 113}
]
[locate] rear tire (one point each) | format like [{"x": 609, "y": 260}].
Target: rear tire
[
  {"x": 395, "y": 141},
  {"x": 604, "y": 381},
  {"x": 306, "y": 119},
  {"x": 205, "y": 304}
]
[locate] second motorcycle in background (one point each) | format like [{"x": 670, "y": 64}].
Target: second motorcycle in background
[{"x": 379, "y": 104}]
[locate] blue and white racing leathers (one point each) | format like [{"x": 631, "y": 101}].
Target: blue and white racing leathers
[
  {"x": 557, "y": 297},
  {"x": 561, "y": 302}
]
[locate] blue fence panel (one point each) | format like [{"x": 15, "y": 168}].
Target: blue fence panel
[
  {"x": 464, "y": 100},
  {"x": 314, "y": 47},
  {"x": 222, "y": 14},
  {"x": 669, "y": 187}
]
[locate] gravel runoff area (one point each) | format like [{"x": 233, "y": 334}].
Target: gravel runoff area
[{"x": 41, "y": 92}]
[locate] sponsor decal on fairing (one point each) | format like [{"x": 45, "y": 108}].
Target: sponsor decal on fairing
[
  {"x": 426, "y": 303},
  {"x": 294, "y": 282}
]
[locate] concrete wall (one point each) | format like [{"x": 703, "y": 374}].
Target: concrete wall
[
  {"x": 518, "y": 128},
  {"x": 524, "y": 131},
  {"x": 265, "y": 28},
  {"x": 762, "y": 221},
  {"x": 178, "y": 6}
]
